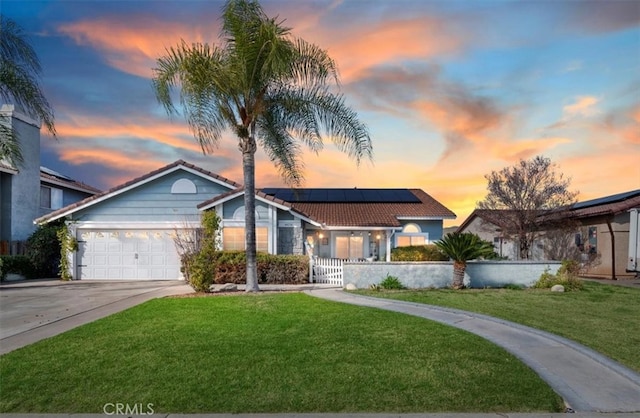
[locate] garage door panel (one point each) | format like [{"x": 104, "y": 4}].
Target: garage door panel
[{"x": 127, "y": 254}]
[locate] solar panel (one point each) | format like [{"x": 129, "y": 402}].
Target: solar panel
[
  {"x": 320, "y": 195},
  {"x": 607, "y": 199}
]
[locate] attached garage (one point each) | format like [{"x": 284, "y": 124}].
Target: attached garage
[
  {"x": 127, "y": 233},
  {"x": 127, "y": 254}
]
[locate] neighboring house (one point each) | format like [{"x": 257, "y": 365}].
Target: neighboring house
[
  {"x": 128, "y": 232},
  {"x": 597, "y": 228},
  {"x": 30, "y": 191}
]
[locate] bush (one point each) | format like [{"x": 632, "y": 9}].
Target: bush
[
  {"x": 200, "y": 265},
  {"x": 230, "y": 267},
  {"x": 418, "y": 253},
  {"x": 17, "y": 264},
  {"x": 567, "y": 276},
  {"x": 391, "y": 282},
  {"x": 43, "y": 249}
]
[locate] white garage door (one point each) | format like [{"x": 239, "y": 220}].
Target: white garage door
[{"x": 127, "y": 254}]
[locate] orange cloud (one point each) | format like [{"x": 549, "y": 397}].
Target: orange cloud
[
  {"x": 133, "y": 44},
  {"x": 583, "y": 106}
]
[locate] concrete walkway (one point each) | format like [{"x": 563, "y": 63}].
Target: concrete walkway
[{"x": 587, "y": 380}]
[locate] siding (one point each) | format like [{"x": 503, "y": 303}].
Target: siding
[
  {"x": 153, "y": 202},
  {"x": 231, "y": 206}
]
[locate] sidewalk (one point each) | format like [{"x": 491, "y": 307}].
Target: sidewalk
[{"x": 587, "y": 380}]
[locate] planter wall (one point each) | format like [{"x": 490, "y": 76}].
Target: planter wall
[{"x": 436, "y": 274}]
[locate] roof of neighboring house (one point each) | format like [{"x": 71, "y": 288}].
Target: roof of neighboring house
[
  {"x": 603, "y": 206},
  {"x": 132, "y": 184},
  {"x": 373, "y": 208},
  {"x": 54, "y": 178},
  {"x": 608, "y": 205},
  {"x": 6, "y": 167},
  {"x": 492, "y": 216}
]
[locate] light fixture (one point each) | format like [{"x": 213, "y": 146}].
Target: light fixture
[{"x": 320, "y": 235}]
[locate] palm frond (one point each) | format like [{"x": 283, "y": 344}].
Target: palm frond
[
  {"x": 10, "y": 145},
  {"x": 19, "y": 75},
  {"x": 281, "y": 147},
  {"x": 461, "y": 247},
  {"x": 201, "y": 72}
]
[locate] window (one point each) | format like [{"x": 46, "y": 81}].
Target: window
[
  {"x": 406, "y": 240},
  {"x": 183, "y": 186},
  {"x": 593, "y": 240},
  {"x": 50, "y": 197},
  {"x": 411, "y": 235},
  {"x": 349, "y": 247},
  {"x": 233, "y": 238}
]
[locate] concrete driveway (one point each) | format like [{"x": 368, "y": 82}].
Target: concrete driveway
[{"x": 36, "y": 309}]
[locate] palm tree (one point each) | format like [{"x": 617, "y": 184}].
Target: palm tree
[
  {"x": 461, "y": 248},
  {"x": 267, "y": 87},
  {"x": 19, "y": 73}
]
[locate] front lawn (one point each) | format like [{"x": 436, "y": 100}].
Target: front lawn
[
  {"x": 267, "y": 353},
  {"x": 603, "y": 317}
]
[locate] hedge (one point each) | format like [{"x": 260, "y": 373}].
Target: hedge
[
  {"x": 230, "y": 267},
  {"x": 272, "y": 269},
  {"x": 17, "y": 264},
  {"x": 418, "y": 253}
]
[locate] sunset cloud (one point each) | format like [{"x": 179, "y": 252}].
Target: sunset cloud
[
  {"x": 449, "y": 90},
  {"x": 582, "y": 106},
  {"x": 133, "y": 43}
]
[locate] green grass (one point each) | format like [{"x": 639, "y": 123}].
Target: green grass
[
  {"x": 268, "y": 353},
  {"x": 603, "y": 317}
]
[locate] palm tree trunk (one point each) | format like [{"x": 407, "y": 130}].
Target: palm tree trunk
[
  {"x": 458, "y": 274},
  {"x": 248, "y": 148}
]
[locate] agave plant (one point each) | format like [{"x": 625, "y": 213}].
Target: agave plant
[{"x": 462, "y": 248}]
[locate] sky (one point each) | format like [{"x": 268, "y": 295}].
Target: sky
[{"x": 450, "y": 90}]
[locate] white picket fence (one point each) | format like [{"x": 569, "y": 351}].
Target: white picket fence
[{"x": 328, "y": 270}]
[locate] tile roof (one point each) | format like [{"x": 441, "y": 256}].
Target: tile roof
[
  {"x": 609, "y": 205},
  {"x": 70, "y": 208},
  {"x": 374, "y": 214},
  {"x": 604, "y": 206}
]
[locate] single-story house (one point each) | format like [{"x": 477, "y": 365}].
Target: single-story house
[
  {"x": 128, "y": 232},
  {"x": 597, "y": 228}
]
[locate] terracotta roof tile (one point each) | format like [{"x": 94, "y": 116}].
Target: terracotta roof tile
[{"x": 373, "y": 214}]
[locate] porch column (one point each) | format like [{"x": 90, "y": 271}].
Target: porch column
[{"x": 388, "y": 235}]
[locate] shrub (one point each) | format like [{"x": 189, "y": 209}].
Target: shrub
[
  {"x": 567, "y": 276},
  {"x": 17, "y": 264},
  {"x": 201, "y": 265},
  {"x": 391, "y": 282},
  {"x": 272, "y": 269},
  {"x": 43, "y": 249},
  {"x": 418, "y": 253}
]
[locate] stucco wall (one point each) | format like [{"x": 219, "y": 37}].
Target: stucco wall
[
  {"x": 25, "y": 186},
  {"x": 154, "y": 202},
  {"x": 417, "y": 275}
]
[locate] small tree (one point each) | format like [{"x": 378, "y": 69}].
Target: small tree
[
  {"x": 523, "y": 192},
  {"x": 198, "y": 250},
  {"x": 462, "y": 248}
]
